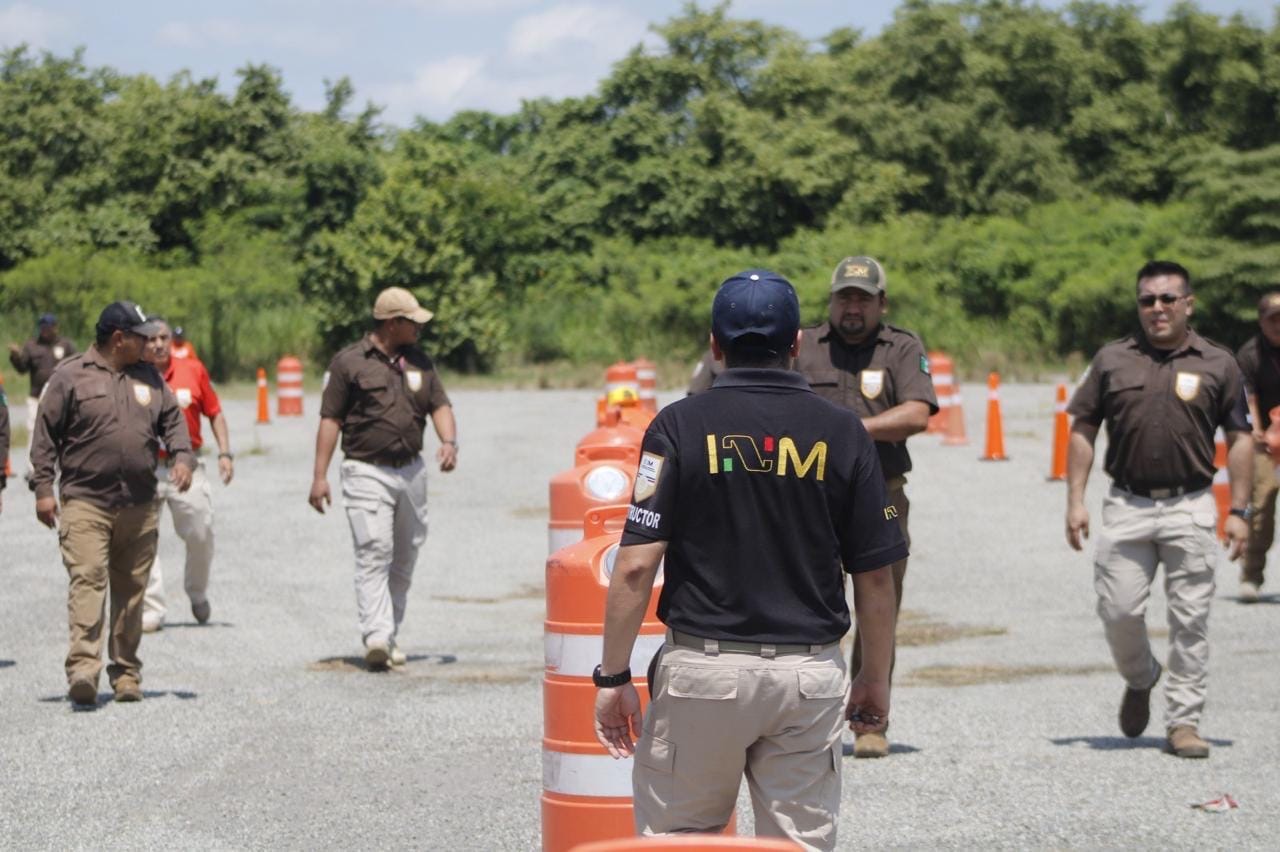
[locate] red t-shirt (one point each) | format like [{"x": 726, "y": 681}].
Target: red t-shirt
[
  {"x": 189, "y": 381},
  {"x": 182, "y": 350}
]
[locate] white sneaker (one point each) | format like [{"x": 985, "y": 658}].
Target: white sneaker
[
  {"x": 398, "y": 657},
  {"x": 1248, "y": 592},
  {"x": 376, "y": 655},
  {"x": 152, "y": 623}
]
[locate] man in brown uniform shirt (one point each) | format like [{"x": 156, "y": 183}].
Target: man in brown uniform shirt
[
  {"x": 101, "y": 422},
  {"x": 4, "y": 441},
  {"x": 1260, "y": 362},
  {"x": 38, "y": 356},
  {"x": 378, "y": 394},
  {"x": 1162, "y": 393},
  {"x": 879, "y": 372}
]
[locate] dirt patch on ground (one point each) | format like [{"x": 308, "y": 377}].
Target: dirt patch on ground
[
  {"x": 526, "y": 592},
  {"x": 918, "y": 628},
  {"x": 523, "y": 512},
  {"x": 985, "y": 673}
]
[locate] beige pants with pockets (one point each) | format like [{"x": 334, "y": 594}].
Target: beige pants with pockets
[
  {"x": 715, "y": 717},
  {"x": 1137, "y": 535},
  {"x": 1263, "y": 527},
  {"x": 104, "y": 548},
  {"x": 387, "y": 510},
  {"x": 192, "y": 512}
]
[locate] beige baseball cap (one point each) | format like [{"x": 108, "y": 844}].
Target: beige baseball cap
[
  {"x": 1268, "y": 305},
  {"x": 862, "y": 272},
  {"x": 398, "y": 302}
]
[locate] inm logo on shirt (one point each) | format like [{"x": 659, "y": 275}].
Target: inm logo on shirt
[{"x": 726, "y": 453}]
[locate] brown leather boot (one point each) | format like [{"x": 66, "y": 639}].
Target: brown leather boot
[
  {"x": 1184, "y": 741},
  {"x": 871, "y": 745},
  {"x": 1135, "y": 707}
]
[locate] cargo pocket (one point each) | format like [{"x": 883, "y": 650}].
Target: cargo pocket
[
  {"x": 1206, "y": 524},
  {"x": 821, "y": 683},
  {"x": 704, "y": 683},
  {"x": 653, "y": 777}
]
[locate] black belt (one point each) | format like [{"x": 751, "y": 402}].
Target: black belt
[
  {"x": 1162, "y": 493},
  {"x": 759, "y": 649},
  {"x": 392, "y": 461}
]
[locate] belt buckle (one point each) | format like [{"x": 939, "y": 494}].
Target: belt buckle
[{"x": 1162, "y": 493}]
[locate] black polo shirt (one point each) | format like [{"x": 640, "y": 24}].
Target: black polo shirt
[
  {"x": 1260, "y": 363},
  {"x": 764, "y": 491}
]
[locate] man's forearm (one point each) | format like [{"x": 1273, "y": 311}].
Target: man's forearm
[
  {"x": 1079, "y": 461},
  {"x": 630, "y": 588},
  {"x": 445, "y": 425},
  {"x": 1240, "y": 468},
  {"x": 326, "y": 441},
  {"x": 898, "y": 423},
  {"x": 874, "y": 603},
  {"x": 220, "y": 432}
]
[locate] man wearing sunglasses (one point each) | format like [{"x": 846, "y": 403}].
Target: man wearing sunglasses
[
  {"x": 1162, "y": 392},
  {"x": 378, "y": 394},
  {"x": 102, "y": 419}
]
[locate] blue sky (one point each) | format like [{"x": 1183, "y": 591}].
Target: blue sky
[{"x": 414, "y": 57}]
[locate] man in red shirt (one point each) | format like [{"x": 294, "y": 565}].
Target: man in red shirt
[{"x": 192, "y": 510}]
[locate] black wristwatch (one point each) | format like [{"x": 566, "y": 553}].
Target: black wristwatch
[
  {"x": 1246, "y": 513},
  {"x": 604, "y": 681}
]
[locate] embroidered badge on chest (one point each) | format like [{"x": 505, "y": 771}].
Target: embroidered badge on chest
[
  {"x": 184, "y": 397},
  {"x": 58, "y": 352},
  {"x": 647, "y": 476},
  {"x": 1186, "y": 386},
  {"x": 872, "y": 383},
  {"x": 142, "y": 394},
  {"x": 414, "y": 379}
]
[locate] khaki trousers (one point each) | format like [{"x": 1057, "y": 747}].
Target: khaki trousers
[
  {"x": 192, "y": 512},
  {"x": 898, "y": 499},
  {"x": 32, "y": 404},
  {"x": 104, "y": 548},
  {"x": 715, "y": 717},
  {"x": 1137, "y": 535},
  {"x": 387, "y": 510},
  {"x": 1263, "y": 528}
]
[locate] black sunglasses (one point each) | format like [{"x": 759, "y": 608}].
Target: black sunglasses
[{"x": 1150, "y": 300}]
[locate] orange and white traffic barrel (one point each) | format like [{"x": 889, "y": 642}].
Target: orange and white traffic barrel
[
  {"x": 586, "y": 794},
  {"x": 289, "y": 387},
  {"x": 611, "y": 440},
  {"x": 575, "y": 492},
  {"x": 693, "y": 843},
  {"x": 647, "y": 382},
  {"x": 1221, "y": 483},
  {"x": 941, "y": 371},
  {"x": 626, "y": 403}
]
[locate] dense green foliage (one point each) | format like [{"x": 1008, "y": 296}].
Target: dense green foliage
[{"x": 1011, "y": 166}]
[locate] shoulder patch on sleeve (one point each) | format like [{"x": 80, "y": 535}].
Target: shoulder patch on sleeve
[
  {"x": 647, "y": 476},
  {"x": 924, "y": 364}
]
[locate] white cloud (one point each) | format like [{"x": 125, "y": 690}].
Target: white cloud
[
  {"x": 20, "y": 23},
  {"x": 228, "y": 32},
  {"x": 559, "y": 52}
]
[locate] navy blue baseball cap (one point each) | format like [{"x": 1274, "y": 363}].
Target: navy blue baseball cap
[
  {"x": 756, "y": 308},
  {"x": 47, "y": 319}
]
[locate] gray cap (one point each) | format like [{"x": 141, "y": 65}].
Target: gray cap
[{"x": 862, "y": 272}]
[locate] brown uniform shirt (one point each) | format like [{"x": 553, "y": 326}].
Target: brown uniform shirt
[
  {"x": 1161, "y": 409},
  {"x": 887, "y": 370},
  {"x": 1260, "y": 363},
  {"x": 39, "y": 358},
  {"x": 383, "y": 406},
  {"x": 104, "y": 430}
]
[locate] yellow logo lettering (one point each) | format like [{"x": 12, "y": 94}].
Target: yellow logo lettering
[
  {"x": 890, "y": 512},
  {"x": 787, "y": 452}
]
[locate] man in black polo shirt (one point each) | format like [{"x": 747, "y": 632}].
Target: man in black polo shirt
[
  {"x": 760, "y": 495},
  {"x": 1162, "y": 393},
  {"x": 1259, "y": 360}
]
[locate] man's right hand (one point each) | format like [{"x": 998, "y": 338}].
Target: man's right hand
[
  {"x": 1077, "y": 526},
  {"x": 47, "y": 511},
  {"x": 13, "y": 347},
  {"x": 319, "y": 497},
  {"x": 868, "y": 707}
]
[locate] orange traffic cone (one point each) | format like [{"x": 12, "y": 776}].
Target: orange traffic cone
[
  {"x": 264, "y": 404},
  {"x": 1061, "y": 434},
  {"x": 1221, "y": 483},
  {"x": 995, "y": 426},
  {"x": 955, "y": 436}
]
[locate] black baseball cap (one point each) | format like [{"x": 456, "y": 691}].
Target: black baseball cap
[
  {"x": 47, "y": 319},
  {"x": 756, "y": 304},
  {"x": 126, "y": 316}
]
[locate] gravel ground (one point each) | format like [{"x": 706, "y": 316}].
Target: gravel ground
[{"x": 261, "y": 730}]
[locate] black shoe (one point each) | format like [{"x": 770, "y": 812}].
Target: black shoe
[
  {"x": 83, "y": 692},
  {"x": 202, "y": 611},
  {"x": 1135, "y": 707}
]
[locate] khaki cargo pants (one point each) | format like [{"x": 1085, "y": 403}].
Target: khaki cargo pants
[
  {"x": 1263, "y": 529},
  {"x": 106, "y": 549},
  {"x": 716, "y": 716},
  {"x": 387, "y": 510},
  {"x": 1137, "y": 535},
  {"x": 192, "y": 512}
]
